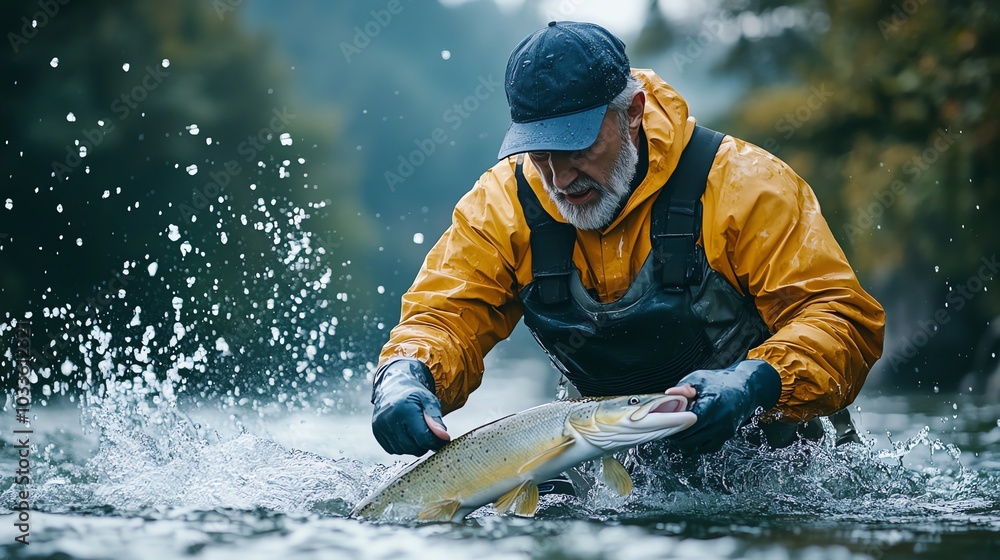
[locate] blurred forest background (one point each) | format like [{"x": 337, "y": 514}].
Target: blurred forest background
[{"x": 142, "y": 142}]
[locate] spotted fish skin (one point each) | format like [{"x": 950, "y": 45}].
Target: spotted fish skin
[{"x": 514, "y": 453}]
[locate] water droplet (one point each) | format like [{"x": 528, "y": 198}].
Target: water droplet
[
  {"x": 192, "y": 169},
  {"x": 193, "y": 129},
  {"x": 174, "y": 233},
  {"x": 937, "y": 268},
  {"x": 151, "y": 269},
  {"x": 54, "y": 62},
  {"x": 59, "y": 208},
  {"x": 79, "y": 242},
  {"x": 9, "y": 204},
  {"x": 126, "y": 66},
  {"x": 418, "y": 238},
  {"x": 286, "y": 139},
  {"x": 166, "y": 62},
  {"x": 70, "y": 117},
  {"x": 445, "y": 55},
  {"x": 381, "y": 289}
]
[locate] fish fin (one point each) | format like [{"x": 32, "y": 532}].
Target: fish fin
[
  {"x": 546, "y": 455},
  {"x": 616, "y": 476},
  {"x": 443, "y": 510},
  {"x": 504, "y": 503},
  {"x": 528, "y": 502}
]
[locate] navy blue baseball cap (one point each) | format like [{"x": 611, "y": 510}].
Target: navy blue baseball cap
[{"x": 559, "y": 82}]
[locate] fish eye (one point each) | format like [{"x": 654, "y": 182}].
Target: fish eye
[{"x": 633, "y": 400}]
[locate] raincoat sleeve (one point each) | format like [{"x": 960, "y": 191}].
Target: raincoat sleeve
[
  {"x": 462, "y": 301},
  {"x": 770, "y": 238}
]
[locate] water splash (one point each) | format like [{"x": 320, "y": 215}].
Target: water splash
[
  {"x": 244, "y": 473},
  {"x": 186, "y": 331},
  {"x": 807, "y": 479}
]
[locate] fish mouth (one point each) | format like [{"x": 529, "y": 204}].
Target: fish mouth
[
  {"x": 658, "y": 417},
  {"x": 666, "y": 404}
]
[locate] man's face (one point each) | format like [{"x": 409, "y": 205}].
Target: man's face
[{"x": 588, "y": 185}]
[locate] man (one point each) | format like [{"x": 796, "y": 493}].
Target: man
[{"x": 711, "y": 275}]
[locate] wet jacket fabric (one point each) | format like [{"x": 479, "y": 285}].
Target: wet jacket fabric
[{"x": 762, "y": 230}]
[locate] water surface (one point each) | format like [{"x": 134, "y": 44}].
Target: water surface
[{"x": 193, "y": 479}]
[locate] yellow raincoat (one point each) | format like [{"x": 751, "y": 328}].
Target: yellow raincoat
[{"x": 762, "y": 230}]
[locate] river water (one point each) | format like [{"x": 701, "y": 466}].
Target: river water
[{"x": 122, "y": 476}]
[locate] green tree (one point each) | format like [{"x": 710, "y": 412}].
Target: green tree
[
  {"x": 889, "y": 110},
  {"x": 126, "y": 118}
]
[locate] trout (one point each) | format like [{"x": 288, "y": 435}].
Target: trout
[{"x": 502, "y": 462}]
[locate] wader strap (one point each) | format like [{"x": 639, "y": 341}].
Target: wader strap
[
  {"x": 552, "y": 245},
  {"x": 677, "y": 212}
]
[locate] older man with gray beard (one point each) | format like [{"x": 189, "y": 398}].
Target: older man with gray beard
[
  {"x": 574, "y": 200},
  {"x": 645, "y": 254}
]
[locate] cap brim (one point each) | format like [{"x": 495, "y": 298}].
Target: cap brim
[{"x": 568, "y": 132}]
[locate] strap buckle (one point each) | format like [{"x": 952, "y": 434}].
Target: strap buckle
[
  {"x": 553, "y": 287},
  {"x": 675, "y": 257}
]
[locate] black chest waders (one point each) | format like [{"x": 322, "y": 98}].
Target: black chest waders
[{"x": 677, "y": 316}]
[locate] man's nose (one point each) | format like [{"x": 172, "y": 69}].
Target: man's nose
[{"x": 563, "y": 171}]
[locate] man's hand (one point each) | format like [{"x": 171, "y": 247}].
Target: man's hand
[
  {"x": 724, "y": 399},
  {"x": 407, "y": 416}
]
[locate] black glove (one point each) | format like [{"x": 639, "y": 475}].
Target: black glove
[
  {"x": 402, "y": 392},
  {"x": 725, "y": 399}
]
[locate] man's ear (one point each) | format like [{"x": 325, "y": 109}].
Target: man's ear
[{"x": 635, "y": 111}]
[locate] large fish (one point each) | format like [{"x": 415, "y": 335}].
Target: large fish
[{"x": 502, "y": 462}]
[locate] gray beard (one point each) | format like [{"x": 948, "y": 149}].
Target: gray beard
[{"x": 598, "y": 213}]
